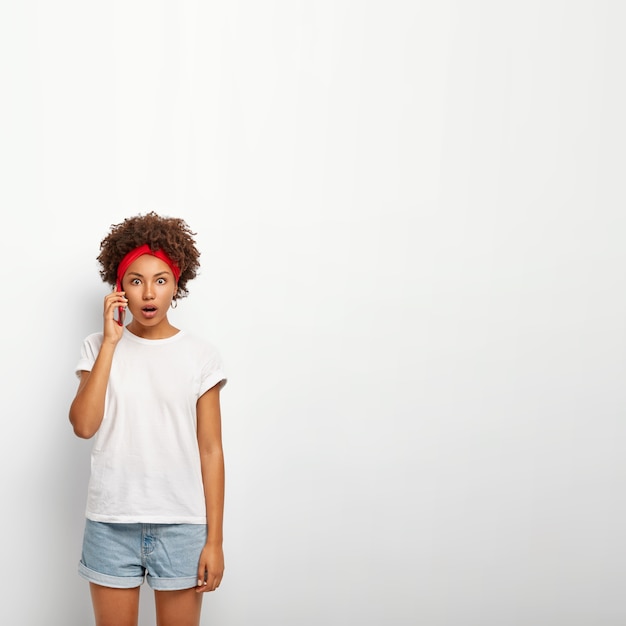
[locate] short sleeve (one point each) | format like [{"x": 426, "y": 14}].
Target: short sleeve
[
  {"x": 212, "y": 370},
  {"x": 88, "y": 353}
]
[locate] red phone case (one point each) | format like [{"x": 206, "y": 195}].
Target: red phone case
[{"x": 120, "y": 309}]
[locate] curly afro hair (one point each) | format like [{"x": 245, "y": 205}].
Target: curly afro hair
[{"x": 170, "y": 234}]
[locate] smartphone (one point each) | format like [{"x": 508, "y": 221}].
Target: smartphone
[{"x": 120, "y": 309}]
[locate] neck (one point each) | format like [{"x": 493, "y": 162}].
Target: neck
[{"x": 162, "y": 330}]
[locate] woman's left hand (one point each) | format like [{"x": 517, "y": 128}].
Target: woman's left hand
[{"x": 210, "y": 568}]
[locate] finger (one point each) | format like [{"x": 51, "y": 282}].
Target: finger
[
  {"x": 116, "y": 301},
  {"x": 202, "y": 578},
  {"x": 213, "y": 581}
]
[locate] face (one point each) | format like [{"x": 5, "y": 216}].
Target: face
[{"x": 150, "y": 286}]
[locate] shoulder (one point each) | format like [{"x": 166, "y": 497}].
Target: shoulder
[
  {"x": 89, "y": 351},
  {"x": 94, "y": 340},
  {"x": 199, "y": 343},
  {"x": 208, "y": 359}
]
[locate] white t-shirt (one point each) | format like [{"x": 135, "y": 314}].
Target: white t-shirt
[{"x": 145, "y": 462}]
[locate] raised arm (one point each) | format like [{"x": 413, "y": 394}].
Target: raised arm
[{"x": 87, "y": 408}]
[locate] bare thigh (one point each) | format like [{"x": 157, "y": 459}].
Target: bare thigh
[
  {"x": 115, "y": 607},
  {"x": 178, "y": 608}
]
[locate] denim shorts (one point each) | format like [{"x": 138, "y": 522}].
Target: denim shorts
[{"x": 121, "y": 555}]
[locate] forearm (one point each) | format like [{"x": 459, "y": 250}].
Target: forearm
[
  {"x": 87, "y": 408},
  {"x": 213, "y": 479}
]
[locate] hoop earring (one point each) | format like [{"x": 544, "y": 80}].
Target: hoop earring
[{"x": 174, "y": 303}]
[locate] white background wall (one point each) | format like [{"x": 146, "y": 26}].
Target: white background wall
[{"x": 411, "y": 218}]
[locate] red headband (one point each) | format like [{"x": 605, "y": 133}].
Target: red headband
[{"x": 135, "y": 254}]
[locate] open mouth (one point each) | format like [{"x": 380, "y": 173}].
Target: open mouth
[{"x": 149, "y": 311}]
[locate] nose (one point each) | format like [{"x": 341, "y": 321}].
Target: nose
[{"x": 148, "y": 291}]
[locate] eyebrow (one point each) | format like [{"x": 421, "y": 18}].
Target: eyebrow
[{"x": 154, "y": 276}]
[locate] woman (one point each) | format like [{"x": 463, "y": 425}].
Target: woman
[{"x": 150, "y": 394}]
